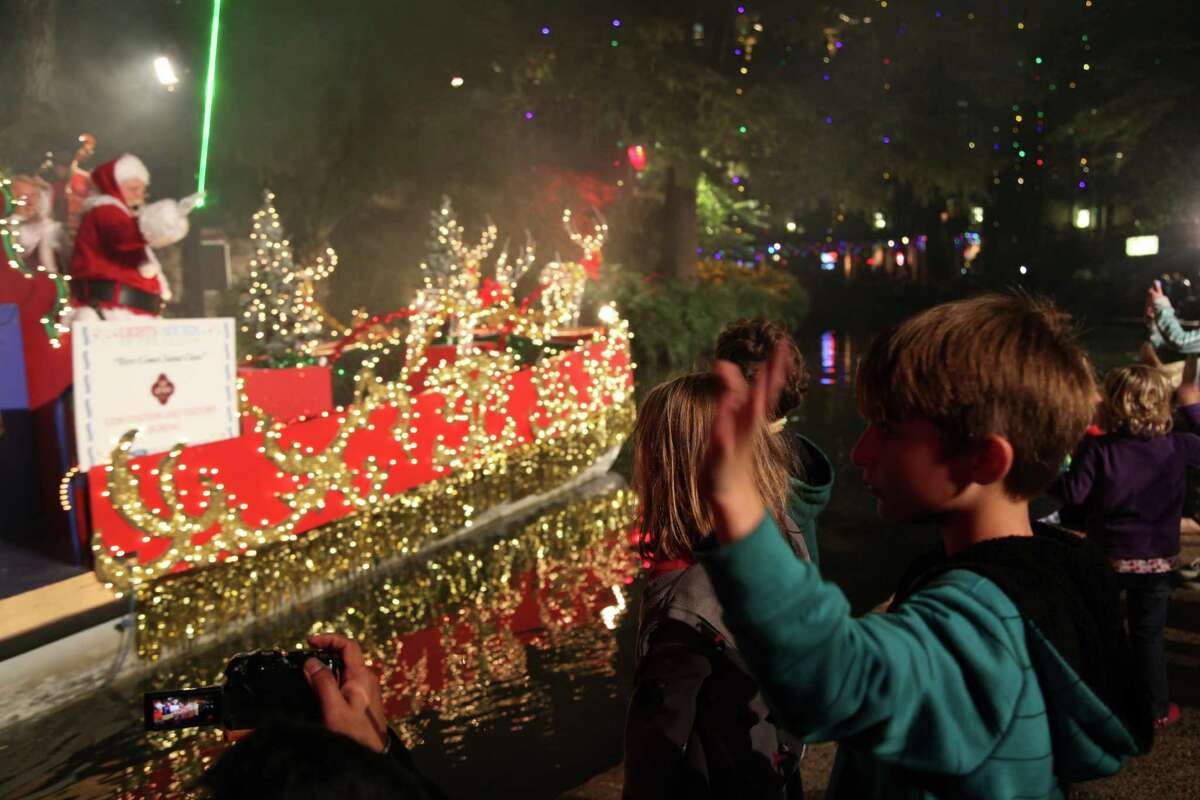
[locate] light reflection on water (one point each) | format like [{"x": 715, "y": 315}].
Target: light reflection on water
[{"x": 484, "y": 649}]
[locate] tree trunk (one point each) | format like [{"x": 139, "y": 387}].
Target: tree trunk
[
  {"x": 680, "y": 235},
  {"x": 35, "y": 24}
]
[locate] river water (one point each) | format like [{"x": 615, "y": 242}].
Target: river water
[{"x": 508, "y": 670}]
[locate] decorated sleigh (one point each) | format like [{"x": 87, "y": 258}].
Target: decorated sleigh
[{"x": 210, "y": 535}]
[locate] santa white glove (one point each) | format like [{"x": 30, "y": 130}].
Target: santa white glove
[
  {"x": 163, "y": 223},
  {"x": 191, "y": 201}
]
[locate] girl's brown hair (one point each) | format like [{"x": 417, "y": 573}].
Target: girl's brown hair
[
  {"x": 669, "y": 445},
  {"x": 1137, "y": 401}
]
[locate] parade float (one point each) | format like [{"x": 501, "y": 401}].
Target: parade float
[
  {"x": 480, "y": 398},
  {"x": 234, "y": 529}
]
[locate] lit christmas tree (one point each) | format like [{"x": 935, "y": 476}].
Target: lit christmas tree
[
  {"x": 440, "y": 263},
  {"x": 280, "y": 315}
]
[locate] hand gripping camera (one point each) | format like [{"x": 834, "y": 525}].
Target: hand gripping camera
[{"x": 259, "y": 686}]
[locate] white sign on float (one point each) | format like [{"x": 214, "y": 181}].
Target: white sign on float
[{"x": 173, "y": 380}]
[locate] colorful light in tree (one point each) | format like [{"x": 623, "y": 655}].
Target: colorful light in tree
[{"x": 637, "y": 156}]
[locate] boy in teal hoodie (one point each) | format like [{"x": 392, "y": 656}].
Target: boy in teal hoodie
[{"x": 1001, "y": 669}]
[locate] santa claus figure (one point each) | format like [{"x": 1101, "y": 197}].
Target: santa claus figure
[{"x": 114, "y": 273}]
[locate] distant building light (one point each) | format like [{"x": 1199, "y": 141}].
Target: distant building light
[
  {"x": 1136, "y": 246},
  {"x": 880, "y": 221},
  {"x": 977, "y": 214},
  {"x": 791, "y": 226},
  {"x": 1024, "y": 269},
  {"x": 1083, "y": 218},
  {"x": 456, "y": 81},
  {"x": 829, "y": 260}
]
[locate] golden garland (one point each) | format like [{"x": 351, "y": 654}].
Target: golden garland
[
  {"x": 180, "y": 608},
  {"x": 475, "y": 587},
  {"x": 471, "y": 386}
]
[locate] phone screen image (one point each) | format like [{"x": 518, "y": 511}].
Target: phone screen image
[{"x": 189, "y": 708}]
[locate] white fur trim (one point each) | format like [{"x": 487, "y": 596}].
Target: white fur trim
[
  {"x": 162, "y": 223},
  {"x": 129, "y": 167},
  {"x": 164, "y": 287},
  {"x": 103, "y": 200},
  {"x": 153, "y": 269}
]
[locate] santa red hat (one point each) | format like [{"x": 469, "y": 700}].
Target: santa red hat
[{"x": 129, "y": 168}]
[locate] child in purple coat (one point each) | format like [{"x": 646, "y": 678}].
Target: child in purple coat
[{"x": 1130, "y": 484}]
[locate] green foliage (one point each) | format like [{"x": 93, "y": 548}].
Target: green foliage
[
  {"x": 727, "y": 220},
  {"x": 675, "y": 324}
]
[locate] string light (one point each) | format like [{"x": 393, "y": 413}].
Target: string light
[{"x": 52, "y": 322}]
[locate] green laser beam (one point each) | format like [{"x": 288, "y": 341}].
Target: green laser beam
[{"x": 210, "y": 86}]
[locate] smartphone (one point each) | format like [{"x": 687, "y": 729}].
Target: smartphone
[
  {"x": 1158, "y": 284},
  {"x": 182, "y": 708}
]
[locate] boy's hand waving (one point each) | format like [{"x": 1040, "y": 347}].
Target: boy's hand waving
[{"x": 741, "y": 417}]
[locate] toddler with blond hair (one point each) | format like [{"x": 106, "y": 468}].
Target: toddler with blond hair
[{"x": 1130, "y": 484}]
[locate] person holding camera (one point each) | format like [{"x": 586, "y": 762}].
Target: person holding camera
[{"x": 352, "y": 755}]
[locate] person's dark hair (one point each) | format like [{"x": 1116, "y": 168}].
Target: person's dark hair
[
  {"x": 296, "y": 761},
  {"x": 748, "y": 343}
]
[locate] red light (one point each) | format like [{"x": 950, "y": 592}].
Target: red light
[
  {"x": 1040, "y": 162},
  {"x": 637, "y": 156}
]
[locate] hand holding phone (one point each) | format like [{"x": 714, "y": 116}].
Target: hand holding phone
[{"x": 351, "y": 703}]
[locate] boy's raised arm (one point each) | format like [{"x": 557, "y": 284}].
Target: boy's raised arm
[
  {"x": 905, "y": 685},
  {"x": 741, "y": 416}
]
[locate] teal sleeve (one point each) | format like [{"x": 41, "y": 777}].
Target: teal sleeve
[
  {"x": 1172, "y": 332},
  {"x": 804, "y": 513},
  {"x": 931, "y": 686}
]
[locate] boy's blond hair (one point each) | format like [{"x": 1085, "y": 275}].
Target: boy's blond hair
[
  {"x": 1136, "y": 401},
  {"x": 1004, "y": 364},
  {"x": 670, "y": 442}
]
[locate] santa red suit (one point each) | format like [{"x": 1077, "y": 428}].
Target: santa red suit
[{"x": 114, "y": 273}]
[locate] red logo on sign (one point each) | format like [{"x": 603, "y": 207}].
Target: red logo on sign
[{"x": 163, "y": 389}]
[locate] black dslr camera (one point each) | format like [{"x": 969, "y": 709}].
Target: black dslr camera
[{"x": 259, "y": 686}]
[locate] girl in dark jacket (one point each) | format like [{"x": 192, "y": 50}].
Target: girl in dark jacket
[{"x": 697, "y": 725}]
